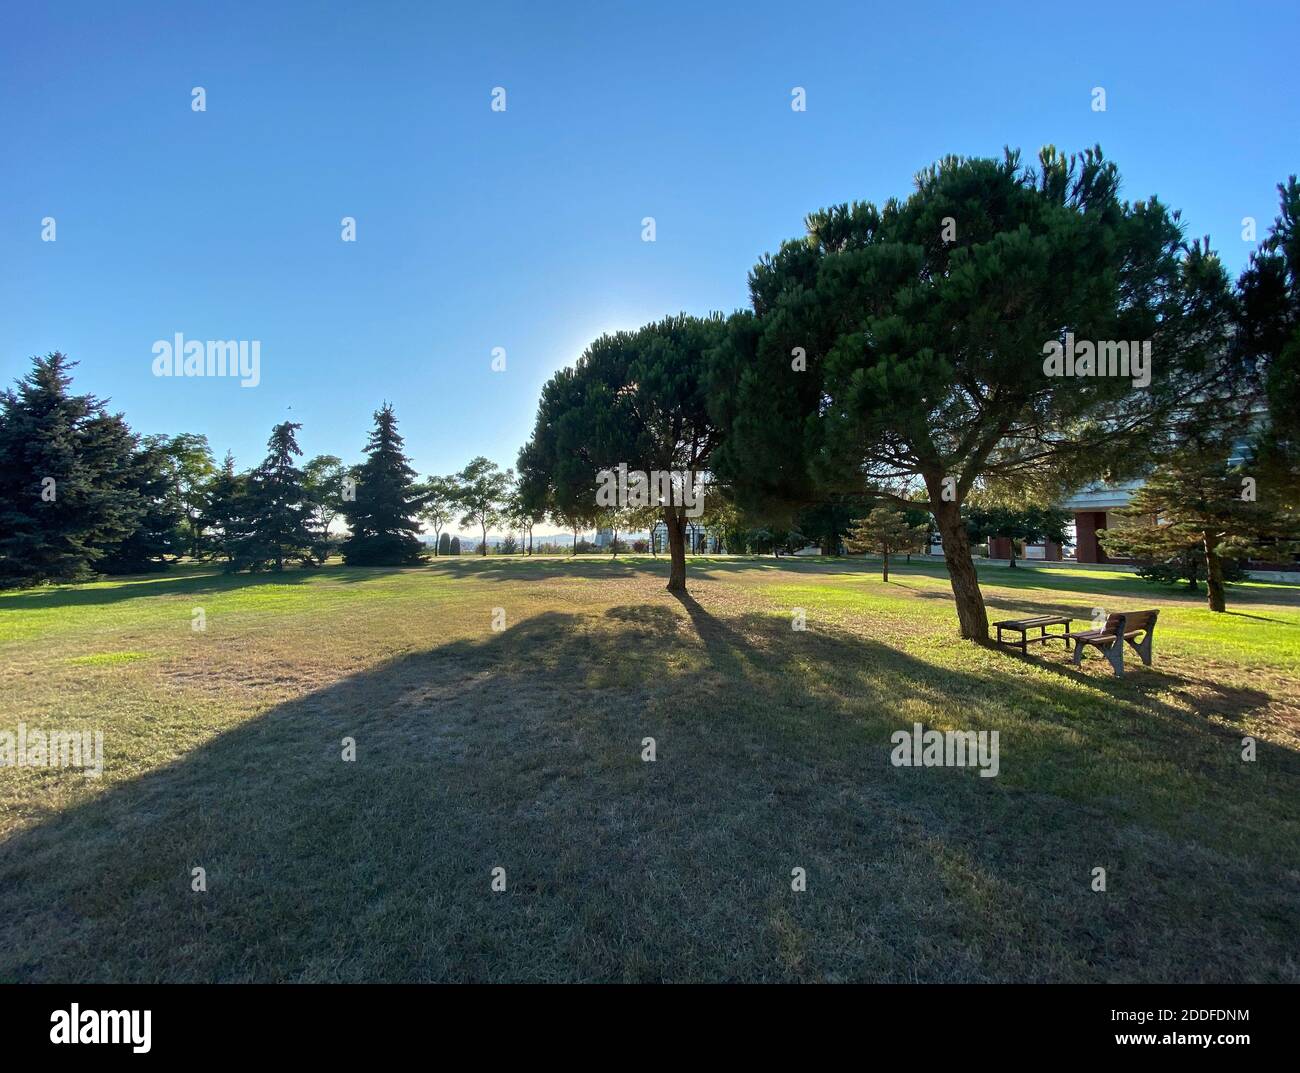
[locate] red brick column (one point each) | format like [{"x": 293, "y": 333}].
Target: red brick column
[{"x": 1087, "y": 549}]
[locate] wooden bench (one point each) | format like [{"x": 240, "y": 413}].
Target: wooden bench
[
  {"x": 1121, "y": 628},
  {"x": 1022, "y": 626}
]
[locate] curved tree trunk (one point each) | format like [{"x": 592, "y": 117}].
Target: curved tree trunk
[
  {"x": 1213, "y": 575},
  {"x": 971, "y": 616},
  {"x": 676, "y": 550}
]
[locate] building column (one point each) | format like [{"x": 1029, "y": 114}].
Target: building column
[{"x": 1087, "y": 548}]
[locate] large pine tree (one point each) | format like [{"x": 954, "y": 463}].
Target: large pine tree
[
  {"x": 909, "y": 347},
  {"x": 276, "y": 520},
  {"x": 66, "y": 478},
  {"x": 382, "y": 516}
]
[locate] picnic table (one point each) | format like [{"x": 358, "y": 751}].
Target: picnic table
[{"x": 1022, "y": 626}]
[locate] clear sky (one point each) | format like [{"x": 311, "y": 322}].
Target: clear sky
[{"x": 522, "y": 229}]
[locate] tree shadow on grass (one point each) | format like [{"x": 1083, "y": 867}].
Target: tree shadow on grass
[
  {"x": 524, "y": 751},
  {"x": 1260, "y": 618},
  {"x": 209, "y": 580},
  {"x": 514, "y": 568}
]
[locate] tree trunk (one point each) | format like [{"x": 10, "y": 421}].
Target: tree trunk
[
  {"x": 971, "y": 616},
  {"x": 575, "y": 541},
  {"x": 1213, "y": 575},
  {"x": 886, "y": 567},
  {"x": 613, "y": 546},
  {"x": 1012, "y": 561},
  {"x": 676, "y": 550}
]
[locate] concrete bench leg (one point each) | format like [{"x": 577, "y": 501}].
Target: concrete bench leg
[
  {"x": 1143, "y": 648},
  {"x": 1115, "y": 654}
]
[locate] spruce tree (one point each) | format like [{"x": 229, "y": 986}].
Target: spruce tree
[
  {"x": 160, "y": 534},
  {"x": 382, "y": 517},
  {"x": 276, "y": 523},
  {"x": 226, "y": 510},
  {"x": 66, "y": 467}
]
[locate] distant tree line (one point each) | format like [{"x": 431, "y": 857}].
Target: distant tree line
[{"x": 81, "y": 494}]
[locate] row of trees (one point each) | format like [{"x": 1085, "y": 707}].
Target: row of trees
[
  {"x": 896, "y": 352},
  {"x": 81, "y": 493},
  {"x": 891, "y": 356}
]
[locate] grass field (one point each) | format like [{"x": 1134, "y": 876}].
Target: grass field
[{"x": 521, "y": 749}]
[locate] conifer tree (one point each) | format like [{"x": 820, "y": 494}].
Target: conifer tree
[
  {"x": 227, "y": 508},
  {"x": 1197, "y": 501},
  {"x": 921, "y": 344},
  {"x": 276, "y": 527},
  {"x": 66, "y": 469},
  {"x": 382, "y": 517},
  {"x": 885, "y": 531},
  {"x": 164, "y": 528}
]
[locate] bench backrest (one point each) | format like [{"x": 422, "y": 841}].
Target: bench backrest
[{"x": 1133, "y": 620}]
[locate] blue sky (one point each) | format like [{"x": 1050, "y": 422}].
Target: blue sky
[{"x": 522, "y": 229}]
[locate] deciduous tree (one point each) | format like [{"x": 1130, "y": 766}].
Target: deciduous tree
[
  {"x": 481, "y": 490},
  {"x": 1028, "y": 524}
]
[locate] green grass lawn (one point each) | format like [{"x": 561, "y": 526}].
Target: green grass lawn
[{"x": 521, "y": 749}]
